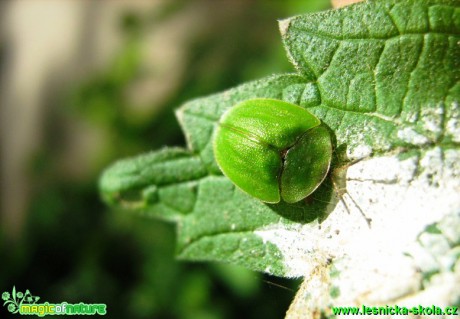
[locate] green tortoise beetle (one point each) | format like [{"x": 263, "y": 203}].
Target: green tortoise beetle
[{"x": 272, "y": 149}]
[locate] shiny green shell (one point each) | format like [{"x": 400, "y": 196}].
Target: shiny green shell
[{"x": 273, "y": 149}]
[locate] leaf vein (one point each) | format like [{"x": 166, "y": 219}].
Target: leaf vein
[
  {"x": 365, "y": 113},
  {"x": 374, "y": 38},
  {"x": 391, "y": 18},
  {"x": 411, "y": 74}
]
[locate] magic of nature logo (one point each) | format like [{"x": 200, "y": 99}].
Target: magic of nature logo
[{"x": 25, "y": 303}]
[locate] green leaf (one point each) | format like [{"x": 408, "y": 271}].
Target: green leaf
[
  {"x": 384, "y": 76},
  {"x": 386, "y": 72},
  {"x": 215, "y": 221},
  {"x": 224, "y": 222},
  {"x": 162, "y": 184}
]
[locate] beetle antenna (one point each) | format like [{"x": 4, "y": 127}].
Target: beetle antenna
[
  {"x": 340, "y": 193},
  {"x": 278, "y": 285},
  {"x": 368, "y": 220}
]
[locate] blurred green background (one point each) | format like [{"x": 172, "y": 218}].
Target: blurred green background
[{"x": 84, "y": 83}]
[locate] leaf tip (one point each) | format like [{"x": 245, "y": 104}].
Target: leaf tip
[
  {"x": 284, "y": 26},
  {"x": 343, "y": 3}
]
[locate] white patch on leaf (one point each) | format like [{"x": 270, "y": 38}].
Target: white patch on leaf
[
  {"x": 432, "y": 119},
  {"x": 391, "y": 259},
  {"x": 360, "y": 151},
  {"x": 453, "y": 124},
  {"x": 412, "y": 137}
]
